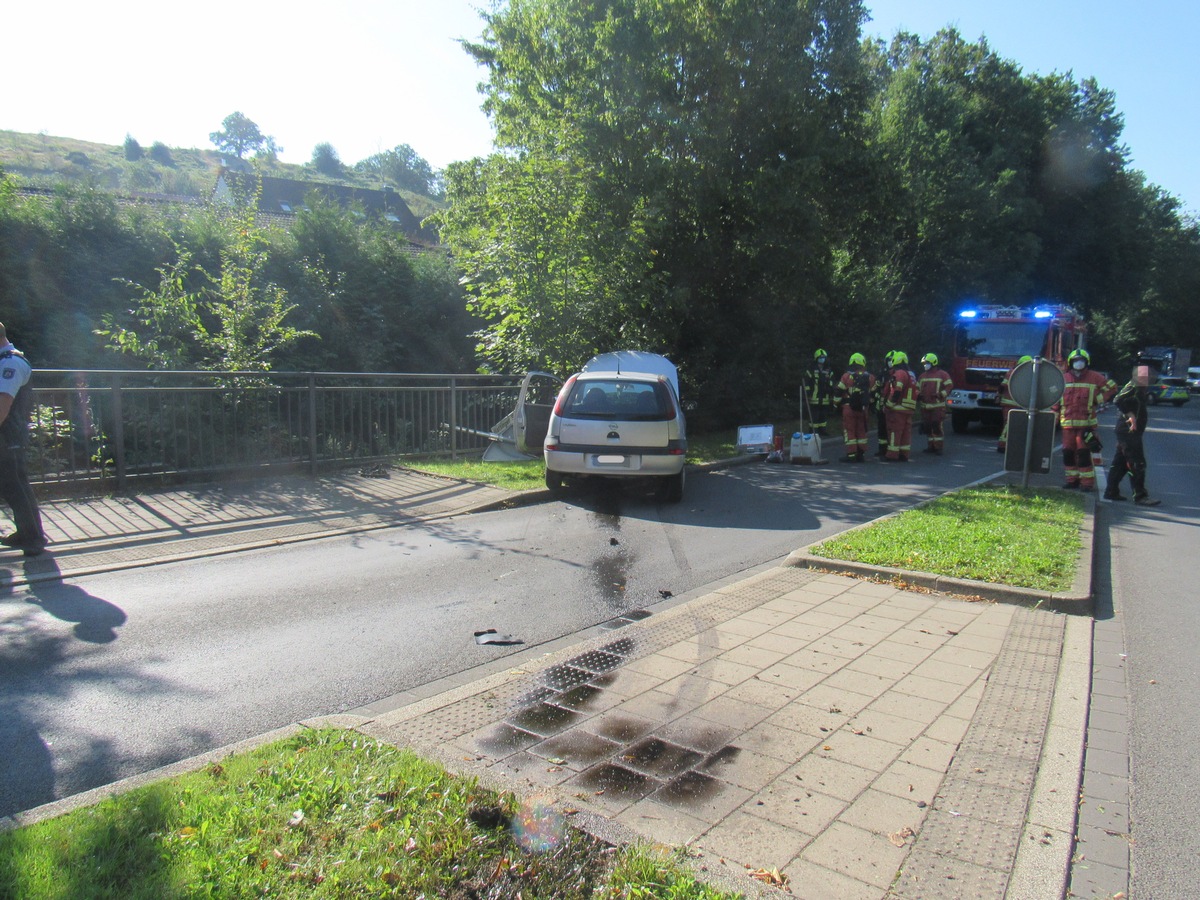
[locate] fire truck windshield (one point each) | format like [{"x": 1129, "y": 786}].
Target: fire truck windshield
[{"x": 1005, "y": 340}]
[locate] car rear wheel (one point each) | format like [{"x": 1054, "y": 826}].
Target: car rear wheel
[
  {"x": 554, "y": 481},
  {"x": 670, "y": 489}
]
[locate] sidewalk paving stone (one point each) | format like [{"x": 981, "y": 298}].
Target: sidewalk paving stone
[{"x": 867, "y": 740}]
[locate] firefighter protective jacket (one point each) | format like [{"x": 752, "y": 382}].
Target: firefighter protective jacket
[
  {"x": 1083, "y": 393},
  {"x": 1006, "y": 397},
  {"x": 901, "y": 392},
  {"x": 819, "y": 384},
  {"x": 933, "y": 387},
  {"x": 856, "y": 384}
]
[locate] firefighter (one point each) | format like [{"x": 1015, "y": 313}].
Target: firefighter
[
  {"x": 818, "y": 392},
  {"x": 900, "y": 401},
  {"x": 1007, "y": 403},
  {"x": 1084, "y": 391},
  {"x": 854, "y": 390},
  {"x": 933, "y": 387},
  {"x": 882, "y": 380},
  {"x": 1131, "y": 455}
]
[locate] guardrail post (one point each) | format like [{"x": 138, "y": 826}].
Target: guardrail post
[
  {"x": 118, "y": 416},
  {"x": 312, "y": 423},
  {"x": 453, "y": 417}
]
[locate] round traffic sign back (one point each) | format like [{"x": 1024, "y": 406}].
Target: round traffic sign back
[{"x": 1047, "y": 390}]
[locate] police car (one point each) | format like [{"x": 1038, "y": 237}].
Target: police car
[{"x": 1168, "y": 390}]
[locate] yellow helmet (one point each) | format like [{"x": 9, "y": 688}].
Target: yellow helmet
[
  {"x": 1079, "y": 354},
  {"x": 930, "y": 358},
  {"x": 1024, "y": 359},
  {"x": 899, "y": 358},
  {"x": 819, "y": 354},
  {"x": 857, "y": 359}
]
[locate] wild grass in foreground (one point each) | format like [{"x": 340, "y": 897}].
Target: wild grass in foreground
[
  {"x": 1021, "y": 537},
  {"x": 325, "y": 813}
]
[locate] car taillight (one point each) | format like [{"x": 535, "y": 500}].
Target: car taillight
[
  {"x": 562, "y": 396},
  {"x": 672, "y": 412}
]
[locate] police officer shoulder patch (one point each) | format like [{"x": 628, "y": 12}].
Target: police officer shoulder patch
[{"x": 8, "y": 372}]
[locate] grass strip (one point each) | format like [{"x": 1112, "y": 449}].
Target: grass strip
[
  {"x": 325, "y": 813},
  {"x": 526, "y": 475},
  {"x": 1028, "y": 538},
  {"x": 522, "y": 475}
]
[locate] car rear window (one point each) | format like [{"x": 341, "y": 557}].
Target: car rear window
[{"x": 625, "y": 401}]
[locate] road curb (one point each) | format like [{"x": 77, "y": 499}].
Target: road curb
[{"x": 1048, "y": 839}]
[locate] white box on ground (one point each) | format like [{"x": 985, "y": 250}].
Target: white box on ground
[
  {"x": 805, "y": 448},
  {"x": 756, "y": 439}
]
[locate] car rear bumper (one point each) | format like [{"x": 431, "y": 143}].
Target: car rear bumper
[{"x": 614, "y": 462}]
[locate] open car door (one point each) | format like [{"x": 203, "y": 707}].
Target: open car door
[
  {"x": 539, "y": 390},
  {"x": 521, "y": 433}
]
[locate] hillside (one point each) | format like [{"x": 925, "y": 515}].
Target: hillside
[{"x": 40, "y": 160}]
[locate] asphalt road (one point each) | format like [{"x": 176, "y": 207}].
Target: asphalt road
[
  {"x": 107, "y": 676},
  {"x": 1155, "y": 566}
]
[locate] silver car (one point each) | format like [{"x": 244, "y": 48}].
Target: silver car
[{"x": 620, "y": 417}]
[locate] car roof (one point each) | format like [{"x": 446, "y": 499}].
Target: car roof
[{"x": 633, "y": 363}]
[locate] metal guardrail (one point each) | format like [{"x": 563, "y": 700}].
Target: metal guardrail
[{"x": 108, "y": 428}]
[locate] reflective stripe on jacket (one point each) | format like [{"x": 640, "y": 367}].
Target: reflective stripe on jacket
[
  {"x": 902, "y": 391},
  {"x": 933, "y": 387},
  {"x": 1083, "y": 392}
]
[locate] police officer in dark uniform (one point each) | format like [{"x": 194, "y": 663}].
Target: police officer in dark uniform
[
  {"x": 1131, "y": 454},
  {"x": 16, "y": 403}
]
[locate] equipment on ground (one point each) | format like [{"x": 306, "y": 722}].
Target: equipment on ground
[
  {"x": 755, "y": 439},
  {"x": 806, "y": 446}
]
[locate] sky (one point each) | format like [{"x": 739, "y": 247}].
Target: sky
[{"x": 369, "y": 75}]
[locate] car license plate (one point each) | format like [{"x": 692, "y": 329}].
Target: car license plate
[{"x": 610, "y": 460}]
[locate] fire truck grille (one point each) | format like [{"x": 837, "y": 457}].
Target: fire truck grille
[{"x": 989, "y": 377}]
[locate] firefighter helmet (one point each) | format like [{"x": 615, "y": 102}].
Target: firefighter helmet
[
  {"x": 899, "y": 358},
  {"x": 820, "y": 355},
  {"x": 930, "y": 358},
  {"x": 887, "y": 358},
  {"x": 857, "y": 359},
  {"x": 1079, "y": 354}
]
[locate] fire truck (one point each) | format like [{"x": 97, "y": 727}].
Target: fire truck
[{"x": 989, "y": 339}]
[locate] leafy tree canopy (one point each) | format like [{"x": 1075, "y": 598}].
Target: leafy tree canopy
[
  {"x": 405, "y": 168},
  {"x": 238, "y": 135},
  {"x": 325, "y": 160}
]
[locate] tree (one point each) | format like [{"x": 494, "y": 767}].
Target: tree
[
  {"x": 234, "y": 321},
  {"x": 238, "y": 135},
  {"x": 133, "y": 150},
  {"x": 404, "y": 168},
  {"x": 691, "y": 163},
  {"x": 161, "y": 154},
  {"x": 956, "y": 133},
  {"x": 325, "y": 160}
]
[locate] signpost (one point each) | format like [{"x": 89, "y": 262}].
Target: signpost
[{"x": 1037, "y": 386}]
